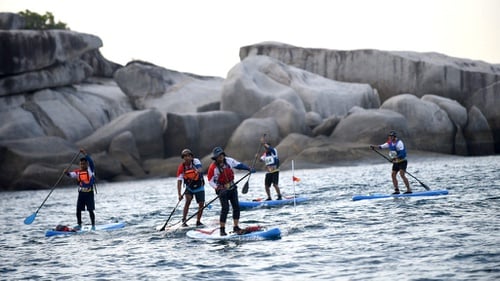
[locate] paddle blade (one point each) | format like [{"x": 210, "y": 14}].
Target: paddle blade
[
  {"x": 245, "y": 188},
  {"x": 425, "y": 186},
  {"x": 30, "y": 219}
]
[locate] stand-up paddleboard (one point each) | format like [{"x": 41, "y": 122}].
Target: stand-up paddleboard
[
  {"x": 414, "y": 194},
  {"x": 179, "y": 229},
  {"x": 250, "y": 233},
  {"x": 63, "y": 230},
  {"x": 271, "y": 203}
]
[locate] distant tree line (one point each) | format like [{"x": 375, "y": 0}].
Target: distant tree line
[{"x": 36, "y": 21}]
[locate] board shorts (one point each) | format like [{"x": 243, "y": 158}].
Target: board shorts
[
  {"x": 400, "y": 166},
  {"x": 85, "y": 199},
  {"x": 198, "y": 193},
  {"x": 272, "y": 178}
]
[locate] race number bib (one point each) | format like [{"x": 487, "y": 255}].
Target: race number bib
[{"x": 269, "y": 160}]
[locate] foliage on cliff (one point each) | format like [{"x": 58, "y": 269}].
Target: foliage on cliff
[{"x": 36, "y": 21}]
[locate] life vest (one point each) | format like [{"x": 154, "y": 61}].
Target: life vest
[
  {"x": 270, "y": 158},
  {"x": 393, "y": 147},
  {"x": 84, "y": 178},
  {"x": 226, "y": 175},
  {"x": 192, "y": 177}
]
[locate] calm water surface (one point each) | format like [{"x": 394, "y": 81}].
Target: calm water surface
[{"x": 330, "y": 237}]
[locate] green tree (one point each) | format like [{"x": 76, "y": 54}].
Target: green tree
[{"x": 36, "y": 21}]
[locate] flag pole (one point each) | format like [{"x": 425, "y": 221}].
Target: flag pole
[{"x": 293, "y": 181}]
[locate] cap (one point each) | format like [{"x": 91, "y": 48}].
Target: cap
[
  {"x": 217, "y": 151},
  {"x": 392, "y": 133},
  {"x": 186, "y": 151}
]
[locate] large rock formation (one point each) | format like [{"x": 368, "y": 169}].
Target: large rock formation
[
  {"x": 468, "y": 82},
  {"x": 136, "y": 119}
]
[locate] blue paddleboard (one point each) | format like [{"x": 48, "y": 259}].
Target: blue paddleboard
[
  {"x": 414, "y": 194},
  {"x": 271, "y": 203},
  {"x": 256, "y": 233},
  {"x": 84, "y": 229}
]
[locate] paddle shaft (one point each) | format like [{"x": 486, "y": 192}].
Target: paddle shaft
[
  {"x": 246, "y": 186},
  {"x": 175, "y": 208},
  {"x": 216, "y": 197},
  {"x": 53, "y": 187},
  {"x": 421, "y": 183}
]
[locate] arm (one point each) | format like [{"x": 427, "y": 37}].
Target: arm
[
  {"x": 180, "y": 180},
  {"x": 211, "y": 176},
  {"x": 384, "y": 146},
  {"x": 91, "y": 167},
  {"x": 199, "y": 168},
  {"x": 197, "y": 165},
  {"x": 400, "y": 149},
  {"x": 71, "y": 174},
  {"x": 179, "y": 187},
  {"x": 381, "y": 146},
  {"x": 233, "y": 163},
  {"x": 89, "y": 160}
]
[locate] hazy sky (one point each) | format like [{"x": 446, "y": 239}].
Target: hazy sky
[{"x": 204, "y": 36}]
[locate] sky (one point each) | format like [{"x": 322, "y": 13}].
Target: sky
[{"x": 204, "y": 36}]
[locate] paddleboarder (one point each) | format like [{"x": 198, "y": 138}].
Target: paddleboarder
[
  {"x": 190, "y": 173},
  {"x": 397, "y": 154},
  {"x": 85, "y": 180},
  {"x": 221, "y": 177},
  {"x": 272, "y": 162}
]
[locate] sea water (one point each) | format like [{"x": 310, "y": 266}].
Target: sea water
[{"x": 329, "y": 237}]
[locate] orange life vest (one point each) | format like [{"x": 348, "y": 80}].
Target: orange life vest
[
  {"x": 192, "y": 177},
  {"x": 83, "y": 178}
]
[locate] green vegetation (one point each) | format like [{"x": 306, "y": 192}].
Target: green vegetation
[{"x": 37, "y": 21}]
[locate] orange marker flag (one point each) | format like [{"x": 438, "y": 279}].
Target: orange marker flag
[{"x": 294, "y": 178}]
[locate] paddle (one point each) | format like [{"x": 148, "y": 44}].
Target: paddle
[
  {"x": 421, "y": 183},
  {"x": 31, "y": 218},
  {"x": 163, "y": 227},
  {"x": 216, "y": 197},
  {"x": 244, "y": 190}
]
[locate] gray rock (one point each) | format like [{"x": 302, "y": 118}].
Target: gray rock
[
  {"x": 371, "y": 126},
  {"x": 17, "y": 122},
  {"x": 11, "y": 21},
  {"x": 478, "y": 134},
  {"x": 390, "y": 72},
  {"x": 245, "y": 141},
  {"x": 258, "y": 80},
  {"x": 289, "y": 119},
  {"x": 149, "y": 139},
  {"x": 326, "y": 127},
  {"x": 292, "y": 145},
  {"x": 199, "y": 132},
  {"x": 487, "y": 101},
  {"x": 17, "y": 155},
  {"x": 429, "y": 126},
  {"x": 57, "y": 75},
  {"x": 106, "y": 166},
  {"x": 160, "y": 168},
  {"x": 31, "y": 50},
  {"x": 460, "y": 147},
  {"x": 150, "y": 86},
  {"x": 100, "y": 65},
  {"x": 313, "y": 119},
  {"x": 456, "y": 112}
]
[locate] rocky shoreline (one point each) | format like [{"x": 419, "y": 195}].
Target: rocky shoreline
[{"x": 319, "y": 107}]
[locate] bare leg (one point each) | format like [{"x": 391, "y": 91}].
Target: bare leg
[
  {"x": 200, "y": 212},
  {"x": 189, "y": 197},
  {"x": 276, "y": 187},
  {"x": 405, "y": 180},
  {"x": 394, "y": 180},
  {"x": 268, "y": 191}
]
